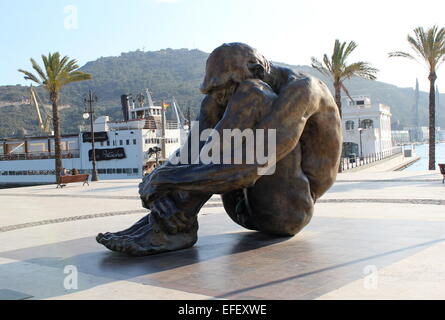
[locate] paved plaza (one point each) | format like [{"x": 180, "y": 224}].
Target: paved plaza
[{"x": 374, "y": 235}]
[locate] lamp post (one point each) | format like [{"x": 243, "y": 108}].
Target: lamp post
[
  {"x": 360, "y": 129},
  {"x": 89, "y": 113}
]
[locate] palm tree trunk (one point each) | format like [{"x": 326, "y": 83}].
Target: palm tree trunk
[
  {"x": 57, "y": 135},
  {"x": 432, "y": 122},
  {"x": 337, "y": 87}
]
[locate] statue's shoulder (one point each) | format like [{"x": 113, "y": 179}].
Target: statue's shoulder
[{"x": 310, "y": 80}]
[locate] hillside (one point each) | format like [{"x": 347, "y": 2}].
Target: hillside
[{"x": 170, "y": 73}]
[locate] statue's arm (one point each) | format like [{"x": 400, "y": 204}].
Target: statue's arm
[
  {"x": 209, "y": 115},
  {"x": 290, "y": 111}
]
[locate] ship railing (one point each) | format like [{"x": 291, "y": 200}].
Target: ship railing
[
  {"x": 66, "y": 154},
  {"x": 171, "y": 125},
  {"x": 142, "y": 124}
]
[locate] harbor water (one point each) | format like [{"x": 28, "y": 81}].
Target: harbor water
[{"x": 422, "y": 152}]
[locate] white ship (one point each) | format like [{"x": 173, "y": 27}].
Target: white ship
[{"x": 122, "y": 147}]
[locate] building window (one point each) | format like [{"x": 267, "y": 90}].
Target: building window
[
  {"x": 134, "y": 141},
  {"x": 121, "y": 142},
  {"x": 367, "y": 124},
  {"x": 128, "y": 142},
  {"x": 114, "y": 142},
  {"x": 349, "y": 125},
  {"x": 108, "y": 143}
]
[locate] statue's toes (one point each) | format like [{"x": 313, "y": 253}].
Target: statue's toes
[{"x": 101, "y": 238}]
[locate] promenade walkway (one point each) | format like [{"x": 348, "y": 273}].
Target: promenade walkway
[{"x": 376, "y": 235}]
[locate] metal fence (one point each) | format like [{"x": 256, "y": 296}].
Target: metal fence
[{"x": 355, "y": 162}]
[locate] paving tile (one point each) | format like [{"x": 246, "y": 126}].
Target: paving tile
[{"x": 6, "y": 294}]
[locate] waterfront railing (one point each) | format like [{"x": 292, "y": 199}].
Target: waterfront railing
[{"x": 347, "y": 163}]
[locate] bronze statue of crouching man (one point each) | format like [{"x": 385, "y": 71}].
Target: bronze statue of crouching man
[{"x": 243, "y": 91}]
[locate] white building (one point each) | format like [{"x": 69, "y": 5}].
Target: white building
[
  {"x": 400, "y": 137},
  {"x": 366, "y": 127},
  {"x": 424, "y": 134}
]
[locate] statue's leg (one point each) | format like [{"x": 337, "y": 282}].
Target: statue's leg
[
  {"x": 166, "y": 228},
  {"x": 172, "y": 223},
  {"x": 279, "y": 204}
]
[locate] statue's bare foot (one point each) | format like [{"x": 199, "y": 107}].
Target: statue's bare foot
[
  {"x": 141, "y": 223},
  {"x": 151, "y": 238}
]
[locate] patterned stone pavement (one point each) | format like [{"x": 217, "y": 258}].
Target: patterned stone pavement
[{"x": 373, "y": 236}]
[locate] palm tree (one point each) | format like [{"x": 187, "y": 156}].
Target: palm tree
[
  {"x": 338, "y": 70},
  {"x": 57, "y": 73},
  {"x": 429, "y": 46}
]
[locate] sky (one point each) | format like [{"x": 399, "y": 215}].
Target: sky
[{"x": 289, "y": 31}]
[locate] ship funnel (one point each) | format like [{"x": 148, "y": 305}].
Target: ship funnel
[{"x": 125, "y": 106}]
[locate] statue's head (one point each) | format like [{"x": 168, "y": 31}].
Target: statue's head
[{"x": 231, "y": 64}]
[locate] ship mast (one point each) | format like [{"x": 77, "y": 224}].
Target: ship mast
[
  {"x": 179, "y": 115},
  {"x": 163, "y": 125}
]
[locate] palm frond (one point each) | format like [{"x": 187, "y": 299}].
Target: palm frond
[
  {"x": 327, "y": 63},
  {"x": 429, "y": 45},
  {"x": 71, "y": 66},
  {"x": 30, "y": 76},
  {"x": 317, "y": 65},
  {"x": 47, "y": 63},
  {"x": 75, "y": 76},
  {"x": 360, "y": 69},
  {"x": 39, "y": 70},
  {"x": 346, "y": 91},
  {"x": 401, "y": 54},
  {"x": 351, "y": 47},
  {"x": 57, "y": 72},
  {"x": 338, "y": 68}
]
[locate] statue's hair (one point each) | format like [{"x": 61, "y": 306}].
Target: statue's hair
[
  {"x": 232, "y": 62},
  {"x": 252, "y": 53}
]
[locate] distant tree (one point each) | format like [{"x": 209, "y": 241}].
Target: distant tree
[
  {"x": 429, "y": 46},
  {"x": 337, "y": 68},
  {"x": 57, "y": 73}
]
